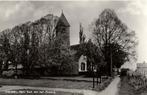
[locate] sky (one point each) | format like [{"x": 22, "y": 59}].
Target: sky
[{"x": 132, "y": 12}]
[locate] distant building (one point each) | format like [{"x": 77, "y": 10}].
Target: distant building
[{"x": 142, "y": 68}]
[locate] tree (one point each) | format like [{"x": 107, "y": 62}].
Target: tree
[
  {"x": 44, "y": 31},
  {"x": 34, "y": 48},
  {"x": 30, "y": 47},
  {"x": 90, "y": 50},
  {"x": 117, "y": 54},
  {"x": 3, "y": 54},
  {"x": 109, "y": 30},
  {"x": 25, "y": 49},
  {"x": 6, "y": 51},
  {"x": 35, "y": 43},
  {"x": 60, "y": 57},
  {"x": 16, "y": 46}
]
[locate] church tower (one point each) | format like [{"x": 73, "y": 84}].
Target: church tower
[
  {"x": 63, "y": 30},
  {"x": 82, "y": 36}
]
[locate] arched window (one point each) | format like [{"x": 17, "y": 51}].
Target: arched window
[{"x": 83, "y": 66}]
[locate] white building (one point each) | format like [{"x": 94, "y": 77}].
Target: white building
[
  {"x": 142, "y": 68},
  {"x": 82, "y": 64}
]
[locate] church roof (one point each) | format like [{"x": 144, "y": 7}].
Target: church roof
[{"x": 63, "y": 21}]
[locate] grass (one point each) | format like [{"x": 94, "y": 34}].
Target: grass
[
  {"x": 127, "y": 89},
  {"x": 103, "y": 85},
  {"x": 139, "y": 84},
  {"x": 69, "y": 84},
  {"x": 36, "y": 92},
  {"x": 56, "y": 83},
  {"x": 47, "y": 83}
]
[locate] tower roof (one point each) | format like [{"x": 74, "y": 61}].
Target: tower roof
[{"x": 63, "y": 21}]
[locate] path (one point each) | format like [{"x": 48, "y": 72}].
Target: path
[{"x": 111, "y": 89}]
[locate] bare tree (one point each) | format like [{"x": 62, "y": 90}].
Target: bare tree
[{"x": 108, "y": 29}]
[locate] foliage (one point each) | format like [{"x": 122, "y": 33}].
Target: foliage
[
  {"x": 5, "y": 48},
  {"x": 34, "y": 44},
  {"x": 105, "y": 84},
  {"x": 108, "y": 30},
  {"x": 116, "y": 53},
  {"x": 137, "y": 80},
  {"x": 61, "y": 58},
  {"x": 90, "y": 50}
]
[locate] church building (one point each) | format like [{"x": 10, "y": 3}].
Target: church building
[
  {"x": 51, "y": 26},
  {"x": 82, "y": 60}
]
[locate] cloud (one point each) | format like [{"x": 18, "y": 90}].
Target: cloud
[
  {"x": 9, "y": 10},
  {"x": 14, "y": 13},
  {"x": 135, "y": 7}
]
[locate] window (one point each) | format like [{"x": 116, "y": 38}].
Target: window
[{"x": 83, "y": 66}]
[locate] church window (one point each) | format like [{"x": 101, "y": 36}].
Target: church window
[{"x": 83, "y": 66}]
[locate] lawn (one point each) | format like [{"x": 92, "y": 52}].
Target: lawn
[
  {"x": 47, "y": 83},
  {"x": 44, "y": 83},
  {"x": 55, "y": 83},
  {"x": 37, "y": 92}
]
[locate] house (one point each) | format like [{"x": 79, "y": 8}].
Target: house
[{"x": 142, "y": 68}]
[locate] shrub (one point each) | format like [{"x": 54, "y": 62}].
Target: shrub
[{"x": 137, "y": 80}]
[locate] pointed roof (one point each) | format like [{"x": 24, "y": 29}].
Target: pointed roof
[{"x": 63, "y": 21}]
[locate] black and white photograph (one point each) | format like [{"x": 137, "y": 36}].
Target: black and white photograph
[{"x": 67, "y": 47}]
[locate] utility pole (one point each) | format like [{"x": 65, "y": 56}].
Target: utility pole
[
  {"x": 93, "y": 75},
  {"x": 111, "y": 62}
]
